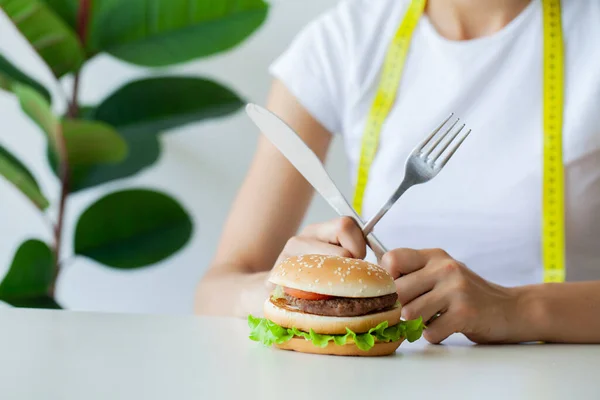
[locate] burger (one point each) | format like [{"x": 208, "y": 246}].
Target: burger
[{"x": 333, "y": 305}]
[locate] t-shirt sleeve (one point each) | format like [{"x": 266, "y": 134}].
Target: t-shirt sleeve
[{"x": 314, "y": 67}]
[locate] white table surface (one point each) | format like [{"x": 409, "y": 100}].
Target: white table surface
[{"x": 48, "y": 355}]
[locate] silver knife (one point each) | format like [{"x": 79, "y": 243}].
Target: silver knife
[{"x": 308, "y": 164}]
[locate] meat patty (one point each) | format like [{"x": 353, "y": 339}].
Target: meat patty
[{"x": 343, "y": 306}]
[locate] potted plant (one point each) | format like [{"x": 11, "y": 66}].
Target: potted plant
[{"x": 90, "y": 145}]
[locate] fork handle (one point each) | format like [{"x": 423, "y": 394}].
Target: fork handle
[
  {"x": 404, "y": 186},
  {"x": 337, "y": 201},
  {"x": 376, "y": 246}
]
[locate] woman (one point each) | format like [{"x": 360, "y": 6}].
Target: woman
[{"x": 467, "y": 245}]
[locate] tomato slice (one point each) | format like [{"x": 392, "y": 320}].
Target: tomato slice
[{"x": 301, "y": 294}]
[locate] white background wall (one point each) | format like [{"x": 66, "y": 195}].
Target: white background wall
[{"x": 202, "y": 164}]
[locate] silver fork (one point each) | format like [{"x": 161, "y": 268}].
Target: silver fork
[{"x": 423, "y": 164}]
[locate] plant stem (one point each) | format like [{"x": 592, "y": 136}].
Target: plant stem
[
  {"x": 83, "y": 15},
  {"x": 64, "y": 174},
  {"x": 73, "y": 110}
]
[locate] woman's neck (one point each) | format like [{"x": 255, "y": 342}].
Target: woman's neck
[{"x": 470, "y": 19}]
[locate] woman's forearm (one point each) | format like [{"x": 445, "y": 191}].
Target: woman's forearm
[
  {"x": 227, "y": 292},
  {"x": 561, "y": 312}
]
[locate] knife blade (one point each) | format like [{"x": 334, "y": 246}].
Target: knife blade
[{"x": 308, "y": 164}]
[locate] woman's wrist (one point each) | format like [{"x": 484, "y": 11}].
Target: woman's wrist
[
  {"x": 253, "y": 293},
  {"x": 532, "y": 315}
]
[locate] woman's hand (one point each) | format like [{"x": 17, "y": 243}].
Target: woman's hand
[
  {"x": 431, "y": 282},
  {"x": 338, "y": 237}
]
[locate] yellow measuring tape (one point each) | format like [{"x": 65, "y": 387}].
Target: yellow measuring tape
[
  {"x": 385, "y": 96},
  {"x": 553, "y": 176},
  {"x": 553, "y": 193}
]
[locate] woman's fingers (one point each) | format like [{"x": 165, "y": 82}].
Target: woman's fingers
[
  {"x": 410, "y": 287},
  {"x": 341, "y": 231},
  {"x": 441, "y": 328},
  {"x": 425, "y": 306},
  {"x": 300, "y": 245},
  {"x": 451, "y": 298},
  {"x": 340, "y": 237},
  {"x": 400, "y": 262}
]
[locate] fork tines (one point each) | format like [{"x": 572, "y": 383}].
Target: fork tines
[{"x": 441, "y": 140}]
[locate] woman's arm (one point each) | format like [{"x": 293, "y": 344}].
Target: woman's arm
[
  {"x": 453, "y": 299},
  {"x": 268, "y": 210},
  {"x": 562, "y": 312}
]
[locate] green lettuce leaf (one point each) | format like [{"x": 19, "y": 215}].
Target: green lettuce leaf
[
  {"x": 278, "y": 293},
  {"x": 268, "y": 333}
]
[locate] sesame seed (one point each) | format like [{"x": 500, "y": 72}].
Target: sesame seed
[
  {"x": 360, "y": 281},
  {"x": 342, "y": 279},
  {"x": 368, "y": 272},
  {"x": 316, "y": 281}
]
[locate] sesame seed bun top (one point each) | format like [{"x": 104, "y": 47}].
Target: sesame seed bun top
[{"x": 334, "y": 276}]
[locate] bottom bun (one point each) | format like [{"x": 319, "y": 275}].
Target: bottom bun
[{"x": 349, "y": 349}]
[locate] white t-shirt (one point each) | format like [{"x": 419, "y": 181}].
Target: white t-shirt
[{"x": 484, "y": 208}]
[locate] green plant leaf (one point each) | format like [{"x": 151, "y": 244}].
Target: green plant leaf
[
  {"x": 49, "y": 35},
  {"x": 66, "y": 10},
  {"x": 37, "y": 108},
  {"x": 14, "y": 74},
  {"x": 138, "y": 111},
  {"x": 141, "y": 106},
  {"x": 33, "y": 104},
  {"x": 16, "y": 173},
  {"x": 30, "y": 277},
  {"x": 35, "y": 302},
  {"x": 132, "y": 228},
  {"x": 88, "y": 144},
  {"x": 165, "y": 32},
  {"x": 86, "y": 112},
  {"x": 18, "y": 165},
  {"x": 143, "y": 151}
]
